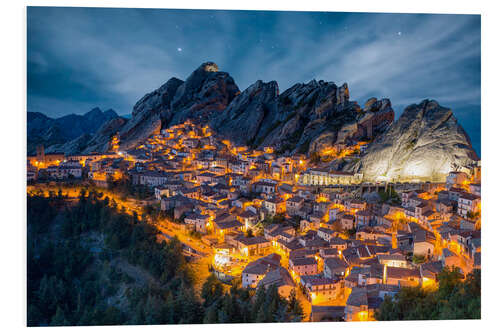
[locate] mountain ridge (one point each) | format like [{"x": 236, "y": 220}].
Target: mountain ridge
[
  {"x": 42, "y": 129},
  {"x": 307, "y": 118}
]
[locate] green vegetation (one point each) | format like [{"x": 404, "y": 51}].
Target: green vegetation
[
  {"x": 389, "y": 196},
  {"x": 125, "y": 189},
  {"x": 245, "y": 306},
  {"x": 350, "y": 233},
  {"x": 80, "y": 262},
  {"x": 195, "y": 234},
  {"x": 295, "y": 222},
  {"x": 453, "y": 299},
  {"x": 417, "y": 259},
  {"x": 276, "y": 219},
  {"x": 473, "y": 216},
  {"x": 90, "y": 263}
]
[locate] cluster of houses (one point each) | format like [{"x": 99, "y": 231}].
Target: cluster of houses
[
  {"x": 336, "y": 247},
  {"x": 281, "y": 221},
  {"x": 57, "y": 171},
  {"x": 58, "y": 166}
]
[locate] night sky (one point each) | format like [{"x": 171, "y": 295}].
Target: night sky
[{"x": 79, "y": 58}]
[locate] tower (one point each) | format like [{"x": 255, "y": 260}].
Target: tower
[{"x": 40, "y": 154}]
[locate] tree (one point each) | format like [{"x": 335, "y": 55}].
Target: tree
[
  {"x": 294, "y": 307},
  {"x": 211, "y": 290},
  {"x": 454, "y": 299},
  {"x": 59, "y": 318},
  {"x": 211, "y": 315},
  {"x": 189, "y": 309},
  {"x": 62, "y": 291}
]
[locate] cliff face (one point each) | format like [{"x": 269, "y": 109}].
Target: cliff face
[
  {"x": 311, "y": 116},
  {"x": 425, "y": 143},
  {"x": 205, "y": 93},
  {"x": 304, "y": 118},
  {"x": 147, "y": 114},
  {"x": 249, "y": 114}
]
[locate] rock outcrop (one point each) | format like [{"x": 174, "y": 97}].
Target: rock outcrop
[
  {"x": 147, "y": 114},
  {"x": 204, "y": 94},
  {"x": 247, "y": 115},
  {"x": 425, "y": 143},
  {"x": 305, "y": 118}
]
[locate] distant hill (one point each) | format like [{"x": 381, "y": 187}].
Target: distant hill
[{"x": 51, "y": 131}]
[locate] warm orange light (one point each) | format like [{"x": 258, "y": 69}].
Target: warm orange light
[
  {"x": 428, "y": 282},
  {"x": 362, "y": 315}
]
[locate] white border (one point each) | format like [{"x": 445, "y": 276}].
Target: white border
[{"x": 13, "y": 135}]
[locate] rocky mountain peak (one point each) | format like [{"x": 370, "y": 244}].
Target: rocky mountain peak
[
  {"x": 342, "y": 94},
  {"x": 374, "y": 105},
  {"x": 204, "y": 92},
  {"x": 56, "y": 131},
  {"x": 306, "y": 118},
  {"x": 210, "y": 67},
  {"x": 94, "y": 110},
  {"x": 426, "y": 142}
]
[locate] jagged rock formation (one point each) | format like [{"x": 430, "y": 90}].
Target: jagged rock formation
[
  {"x": 311, "y": 116},
  {"x": 147, "y": 114},
  {"x": 425, "y": 143},
  {"x": 205, "y": 93},
  {"x": 303, "y": 118},
  {"x": 249, "y": 114}
]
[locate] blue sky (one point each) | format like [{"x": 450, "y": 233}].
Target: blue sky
[{"x": 79, "y": 58}]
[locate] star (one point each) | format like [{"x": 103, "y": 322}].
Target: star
[
  {"x": 179, "y": 49},
  {"x": 399, "y": 33}
]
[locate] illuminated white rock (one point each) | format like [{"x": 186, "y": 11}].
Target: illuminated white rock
[{"x": 425, "y": 144}]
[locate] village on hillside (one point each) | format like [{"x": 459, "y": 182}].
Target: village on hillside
[{"x": 291, "y": 221}]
